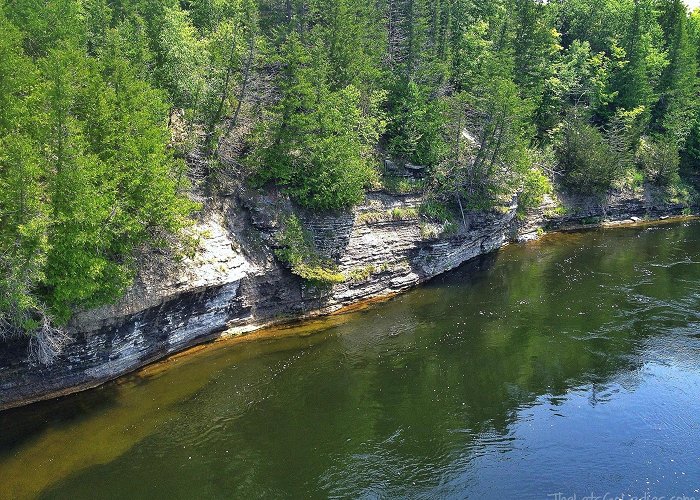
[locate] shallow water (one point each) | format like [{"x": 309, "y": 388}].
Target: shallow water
[{"x": 570, "y": 366}]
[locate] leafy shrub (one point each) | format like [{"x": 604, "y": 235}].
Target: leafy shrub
[
  {"x": 589, "y": 163},
  {"x": 558, "y": 211},
  {"x": 401, "y": 214},
  {"x": 318, "y": 274},
  {"x": 535, "y": 186},
  {"x": 631, "y": 179},
  {"x": 659, "y": 159},
  {"x": 361, "y": 274},
  {"x": 294, "y": 242},
  {"x": 371, "y": 217},
  {"x": 690, "y": 156},
  {"x": 428, "y": 231},
  {"x": 395, "y": 214},
  {"x": 402, "y": 185}
]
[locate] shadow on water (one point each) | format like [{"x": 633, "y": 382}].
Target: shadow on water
[
  {"x": 439, "y": 392},
  {"x": 20, "y": 424}
]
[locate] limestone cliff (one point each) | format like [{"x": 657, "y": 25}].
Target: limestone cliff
[{"x": 235, "y": 284}]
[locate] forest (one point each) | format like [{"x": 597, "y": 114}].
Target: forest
[{"x": 114, "y": 112}]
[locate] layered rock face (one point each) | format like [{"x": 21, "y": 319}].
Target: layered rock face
[{"x": 235, "y": 284}]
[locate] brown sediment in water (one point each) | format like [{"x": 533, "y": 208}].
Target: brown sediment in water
[
  {"x": 300, "y": 327},
  {"x": 123, "y": 417},
  {"x": 284, "y": 329},
  {"x": 316, "y": 322},
  {"x": 127, "y": 414},
  {"x": 306, "y": 325}
]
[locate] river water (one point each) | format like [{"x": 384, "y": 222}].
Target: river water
[{"x": 569, "y": 366}]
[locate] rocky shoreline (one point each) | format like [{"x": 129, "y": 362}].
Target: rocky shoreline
[{"x": 236, "y": 285}]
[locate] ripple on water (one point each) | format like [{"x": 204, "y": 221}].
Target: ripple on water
[{"x": 571, "y": 365}]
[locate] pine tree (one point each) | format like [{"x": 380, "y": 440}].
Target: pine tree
[
  {"x": 314, "y": 142},
  {"x": 674, "y": 113},
  {"x": 690, "y": 153},
  {"x": 182, "y": 57},
  {"x": 23, "y": 217},
  {"x": 632, "y": 81},
  {"x": 535, "y": 47},
  {"x": 86, "y": 180}
]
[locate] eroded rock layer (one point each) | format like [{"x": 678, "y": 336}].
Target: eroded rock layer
[{"x": 235, "y": 284}]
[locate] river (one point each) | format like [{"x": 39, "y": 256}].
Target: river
[{"x": 568, "y": 366}]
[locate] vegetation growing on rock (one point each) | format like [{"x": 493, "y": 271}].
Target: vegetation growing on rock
[
  {"x": 296, "y": 249},
  {"x": 100, "y": 103}
]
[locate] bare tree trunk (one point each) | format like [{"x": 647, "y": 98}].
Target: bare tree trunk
[
  {"x": 214, "y": 119},
  {"x": 246, "y": 76}
]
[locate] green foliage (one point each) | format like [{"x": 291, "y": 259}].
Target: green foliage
[
  {"x": 45, "y": 25},
  {"x": 308, "y": 95},
  {"x": 589, "y": 162},
  {"x": 86, "y": 177},
  {"x": 296, "y": 249},
  {"x": 354, "y": 41},
  {"x": 318, "y": 274},
  {"x": 316, "y": 140},
  {"x": 690, "y": 154},
  {"x": 416, "y": 131},
  {"x": 402, "y": 214},
  {"x": 658, "y": 158},
  {"x": 632, "y": 79},
  {"x": 680, "y": 193},
  {"x": 535, "y": 186},
  {"x": 23, "y": 234},
  {"x": 581, "y": 78},
  {"x": 396, "y": 214},
  {"x": 632, "y": 179},
  {"x": 295, "y": 243},
  {"x": 490, "y": 131},
  {"x": 115, "y": 185},
  {"x": 503, "y": 136},
  {"x": 402, "y": 185},
  {"x": 556, "y": 212},
  {"x": 183, "y": 56},
  {"x": 361, "y": 274},
  {"x": 676, "y": 109},
  {"x": 436, "y": 211}
]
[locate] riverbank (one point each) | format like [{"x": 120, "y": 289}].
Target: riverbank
[
  {"x": 577, "y": 341},
  {"x": 235, "y": 285}
]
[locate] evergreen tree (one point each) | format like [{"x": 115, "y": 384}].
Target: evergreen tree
[
  {"x": 310, "y": 93},
  {"x": 182, "y": 56},
  {"x": 23, "y": 212},
  {"x": 675, "y": 112},
  {"x": 86, "y": 180},
  {"x": 632, "y": 83},
  {"x": 314, "y": 141}
]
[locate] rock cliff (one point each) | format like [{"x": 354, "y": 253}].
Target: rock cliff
[{"x": 234, "y": 284}]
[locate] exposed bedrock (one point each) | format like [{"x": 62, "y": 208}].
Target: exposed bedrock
[{"x": 235, "y": 284}]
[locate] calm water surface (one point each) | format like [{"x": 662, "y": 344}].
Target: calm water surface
[{"x": 567, "y": 366}]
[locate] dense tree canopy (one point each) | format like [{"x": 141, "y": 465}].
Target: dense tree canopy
[
  {"x": 491, "y": 98},
  {"x": 86, "y": 177}
]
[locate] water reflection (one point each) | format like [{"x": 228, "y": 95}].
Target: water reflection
[{"x": 566, "y": 365}]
